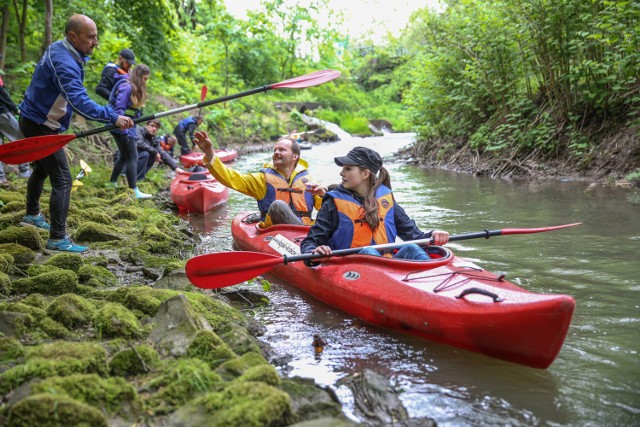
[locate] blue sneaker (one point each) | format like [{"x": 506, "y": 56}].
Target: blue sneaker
[
  {"x": 140, "y": 195},
  {"x": 65, "y": 245},
  {"x": 24, "y": 174},
  {"x": 36, "y": 220}
]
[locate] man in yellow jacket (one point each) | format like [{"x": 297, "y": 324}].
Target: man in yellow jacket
[{"x": 285, "y": 191}]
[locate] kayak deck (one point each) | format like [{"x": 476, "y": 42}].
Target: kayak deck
[
  {"x": 448, "y": 299},
  {"x": 197, "y": 192}
]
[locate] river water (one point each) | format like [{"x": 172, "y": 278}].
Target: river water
[{"x": 595, "y": 380}]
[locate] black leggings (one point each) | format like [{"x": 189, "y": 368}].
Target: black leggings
[
  {"x": 56, "y": 168},
  {"x": 128, "y": 157}
]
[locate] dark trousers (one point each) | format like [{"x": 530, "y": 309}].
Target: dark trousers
[
  {"x": 127, "y": 160},
  {"x": 56, "y": 168},
  {"x": 145, "y": 163},
  {"x": 182, "y": 140}
]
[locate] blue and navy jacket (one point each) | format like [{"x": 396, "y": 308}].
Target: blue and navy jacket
[
  {"x": 56, "y": 90},
  {"x": 187, "y": 126}
]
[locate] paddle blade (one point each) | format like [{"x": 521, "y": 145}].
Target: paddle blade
[
  {"x": 203, "y": 93},
  {"x": 536, "y": 230},
  {"x": 222, "y": 269},
  {"x": 34, "y": 148},
  {"x": 312, "y": 79}
]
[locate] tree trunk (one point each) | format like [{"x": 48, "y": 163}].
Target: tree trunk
[
  {"x": 22, "y": 26},
  {"x": 48, "y": 17},
  {"x": 3, "y": 34}
]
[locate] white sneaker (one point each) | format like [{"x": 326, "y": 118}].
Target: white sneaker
[{"x": 141, "y": 195}]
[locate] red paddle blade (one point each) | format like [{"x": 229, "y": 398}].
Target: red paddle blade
[
  {"x": 34, "y": 148},
  {"x": 536, "y": 230},
  {"x": 312, "y": 79},
  {"x": 222, "y": 269},
  {"x": 203, "y": 93}
]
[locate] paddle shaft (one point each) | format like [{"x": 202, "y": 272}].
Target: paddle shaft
[{"x": 203, "y": 104}]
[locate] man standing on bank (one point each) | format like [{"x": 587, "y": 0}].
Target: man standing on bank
[{"x": 55, "y": 91}]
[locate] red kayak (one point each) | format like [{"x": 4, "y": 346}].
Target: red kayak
[
  {"x": 197, "y": 192},
  {"x": 194, "y": 158},
  {"x": 448, "y": 299}
]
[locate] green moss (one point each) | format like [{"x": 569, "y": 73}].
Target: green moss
[
  {"x": 100, "y": 274},
  {"x": 20, "y": 254},
  {"x": 53, "y": 329},
  {"x": 133, "y": 361},
  {"x": 38, "y": 269},
  {"x": 262, "y": 373},
  {"x": 239, "y": 339},
  {"x": 209, "y": 347},
  {"x": 96, "y": 232},
  {"x": 5, "y": 284},
  {"x": 67, "y": 261},
  {"x": 10, "y": 349},
  {"x": 52, "y": 283},
  {"x": 36, "y": 300},
  {"x": 18, "y": 307},
  {"x": 28, "y": 237},
  {"x": 236, "y": 367},
  {"x": 127, "y": 212},
  {"x": 241, "y": 404},
  {"x": 71, "y": 310},
  {"x": 216, "y": 312},
  {"x": 13, "y": 196},
  {"x": 12, "y": 206},
  {"x": 54, "y": 411},
  {"x": 55, "y": 359},
  {"x": 114, "y": 395},
  {"x": 114, "y": 320},
  {"x": 180, "y": 384},
  {"x": 6, "y": 263},
  {"x": 97, "y": 215},
  {"x": 142, "y": 298}
]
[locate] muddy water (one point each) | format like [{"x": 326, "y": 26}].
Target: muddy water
[{"x": 596, "y": 378}]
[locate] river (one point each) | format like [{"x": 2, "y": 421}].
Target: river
[{"x": 595, "y": 380}]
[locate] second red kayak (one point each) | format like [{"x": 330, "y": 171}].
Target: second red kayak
[
  {"x": 448, "y": 299},
  {"x": 197, "y": 192},
  {"x": 195, "y": 157}
]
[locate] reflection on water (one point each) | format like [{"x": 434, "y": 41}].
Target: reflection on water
[{"x": 594, "y": 380}]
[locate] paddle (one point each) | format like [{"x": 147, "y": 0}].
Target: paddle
[
  {"x": 222, "y": 269},
  {"x": 35, "y": 148}
]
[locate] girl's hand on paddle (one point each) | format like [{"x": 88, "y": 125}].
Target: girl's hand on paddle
[
  {"x": 204, "y": 143},
  {"x": 124, "y": 122},
  {"x": 440, "y": 237},
  {"x": 324, "y": 250}
]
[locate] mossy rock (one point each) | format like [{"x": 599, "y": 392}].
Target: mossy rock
[
  {"x": 71, "y": 310},
  {"x": 59, "y": 358},
  {"x": 128, "y": 212},
  {"x": 29, "y": 237},
  {"x": 13, "y": 196},
  {"x": 132, "y": 361},
  {"x": 240, "y": 404},
  {"x": 5, "y": 284},
  {"x": 217, "y": 313},
  {"x": 180, "y": 383},
  {"x": 52, "y": 283},
  {"x": 10, "y": 349},
  {"x": 114, "y": 320},
  {"x": 262, "y": 373},
  {"x": 6, "y": 263},
  {"x": 51, "y": 410},
  {"x": 66, "y": 261},
  {"x": 211, "y": 348},
  {"x": 36, "y": 300},
  {"x": 236, "y": 367},
  {"x": 96, "y": 232},
  {"x": 38, "y": 269},
  {"x": 100, "y": 274},
  {"x": 97, "y": 215},
  {"x": 12, "y": 206},
  {"x": 239, "y": 339},
  {"x": 113, "y": 395},
  {"x": 18, "y": 307},
  {"x": 21, "y": 255},
  {"x": 142, "y": 298},
  {"x": 53, "y": 328}
]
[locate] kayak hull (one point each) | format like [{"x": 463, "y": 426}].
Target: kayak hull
[
  {"x": 448, "y": 300},
  {"x": 197, "y": 195},
  {"x": 195, "y": 157}
]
